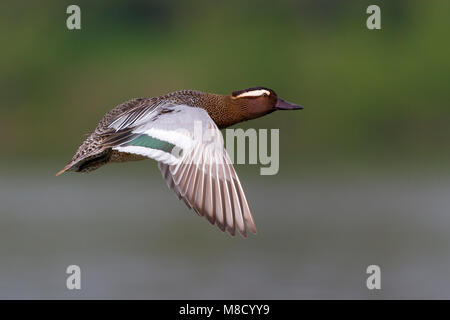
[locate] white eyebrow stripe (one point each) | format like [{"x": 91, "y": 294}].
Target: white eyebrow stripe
[{"x": 253, "y": 93}]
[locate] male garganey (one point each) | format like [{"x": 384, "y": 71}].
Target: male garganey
[{"x": 164, "y": 128}]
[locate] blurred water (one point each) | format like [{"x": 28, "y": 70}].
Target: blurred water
[{"x": 133, "y": 239}]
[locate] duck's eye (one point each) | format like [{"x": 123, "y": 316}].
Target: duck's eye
[{"x": 265, "y": 95}]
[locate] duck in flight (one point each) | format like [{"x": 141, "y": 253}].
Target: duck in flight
[{"x": 164, "y": 128}]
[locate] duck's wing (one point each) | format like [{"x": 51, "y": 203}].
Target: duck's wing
[{"x": 190, "y": 152}]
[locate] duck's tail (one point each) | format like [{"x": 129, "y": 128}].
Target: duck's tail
[
  {"x": 66, "y": 168},
  {"x": 87, "y": 164}
]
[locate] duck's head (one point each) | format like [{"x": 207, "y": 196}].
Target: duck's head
[{"x": 258, "y": 101}]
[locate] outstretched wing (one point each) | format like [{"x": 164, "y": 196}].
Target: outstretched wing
[{"x": 190, "y": 152}]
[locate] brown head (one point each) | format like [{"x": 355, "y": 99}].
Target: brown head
[{"x": 256, "y": 102}]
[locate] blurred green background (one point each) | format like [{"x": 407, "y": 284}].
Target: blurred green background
[
  {"x": 376, "y": 112},
  {"x": 370, "y": 96}
]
